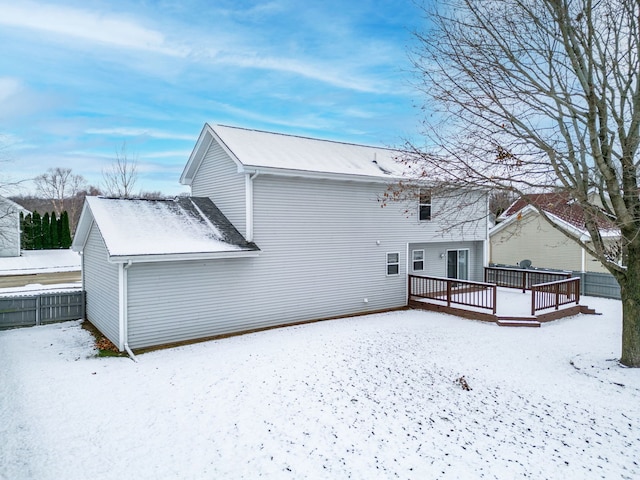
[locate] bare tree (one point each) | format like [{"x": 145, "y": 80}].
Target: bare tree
[
  {"x": 500, "y": 201},
  {"x": 120, "y": 178},
  {"x": 537, "y": 95},
  {"x": 58, "y": 184},
  {"x": 62, "y": 188},
  {"x": 152, "y": 195}
]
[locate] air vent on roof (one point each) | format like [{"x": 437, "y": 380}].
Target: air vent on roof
[{"x": 382, "y": 169}]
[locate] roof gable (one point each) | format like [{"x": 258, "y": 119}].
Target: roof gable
[
  {"x": 10, "y": 206},
  {"x": 559, "y": 207},
  {"x": 255, "y": 150},
  {"x": 138, "y": 229}
]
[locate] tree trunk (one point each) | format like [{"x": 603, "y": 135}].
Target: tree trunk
[{"x": 630, "y": 294}]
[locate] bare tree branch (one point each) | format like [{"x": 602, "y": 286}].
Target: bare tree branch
[
  {"x": 541, "y": 95},
  {"x": 120, "y": 178},
  {"x": 58, "y": 184}
]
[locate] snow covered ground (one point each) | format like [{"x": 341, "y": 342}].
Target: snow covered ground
[
  {"x": 40, "y": 261},
  {"x": 367, "y": 397}
]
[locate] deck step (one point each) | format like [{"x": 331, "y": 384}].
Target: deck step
[{"x": 518, "y": 322}]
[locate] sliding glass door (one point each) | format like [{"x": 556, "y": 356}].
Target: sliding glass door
[{"x": 458, "y": 264}]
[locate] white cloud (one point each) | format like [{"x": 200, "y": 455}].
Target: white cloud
[
  {"x": 140, "y": 132},
  {"x": 313, "y": 71},
  {"x": 87, "y": 25},
  {"x": 226, "y": 47},
  {"x": 183, "y": 155},
  {"x": 9, "y": 87}
]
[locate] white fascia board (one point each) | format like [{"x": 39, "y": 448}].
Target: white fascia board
[
  {"x": 174, "y": 257},
  {"x": 206, "y": 138},
  {"x": 583, "y": 235},
  {"x": 85, "y": 223},
  {"x": 283, "y": 172},
  {"x": 196, "y": 156},
  {"x": 226, "y": 149},
  {"x": 510, "y": 219}
]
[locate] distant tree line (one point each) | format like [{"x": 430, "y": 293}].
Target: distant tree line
[{"x": 42, "y": 232}]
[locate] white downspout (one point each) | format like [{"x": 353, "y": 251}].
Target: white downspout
[
  {"x": 486, "y": 247},
  {"x": 249, "y": 204},
  {"x": 124, "y": 324},
  {"x": 407, "y": 273}
]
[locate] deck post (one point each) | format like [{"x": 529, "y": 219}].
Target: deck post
[
  {"x": 533, "y": 301},
  {"x": 576, "y": 285},
  {"x": 449, "y": 293},
  {"x": 557, "y": 295},
  {"x": 495, "y": 298},
  {"x": 524, "y": 281}
]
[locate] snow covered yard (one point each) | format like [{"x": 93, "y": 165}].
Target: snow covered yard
[{"x": 365, "y": 397}]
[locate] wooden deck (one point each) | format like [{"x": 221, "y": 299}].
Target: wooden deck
[{"x": 503, "y": 306}]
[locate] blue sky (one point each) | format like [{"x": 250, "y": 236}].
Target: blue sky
[{"x": 80, "y": 78}]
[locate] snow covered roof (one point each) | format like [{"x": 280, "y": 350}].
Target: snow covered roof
[
  {"x": 160, "y": 230},
  {"x": 10, "y": 205},
  {"x": 560, "y": 209},
  {"x": 255, "y": 150}
]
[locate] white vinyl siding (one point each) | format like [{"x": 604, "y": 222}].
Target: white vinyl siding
[
  {"x": 323, "y": 249},
  {"x": 219, "y": 180},
  {"x": 101, "y": 284},
  {"x": 323, "y": 246},
  {"x": 435, "y": 258},
  {"x": 10, "y": 230}
]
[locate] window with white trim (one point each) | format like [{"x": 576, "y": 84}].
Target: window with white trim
[
  {"x": 393, "y": 264},
  {"x": 417, "y": 257},
  {"x": 424, "y": 205}
]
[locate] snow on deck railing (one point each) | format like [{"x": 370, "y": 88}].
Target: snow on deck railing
[
  {"x": 554, "y": 294},
  {"x": 454, "y": 291}
]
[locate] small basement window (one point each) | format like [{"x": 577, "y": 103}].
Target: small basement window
[
  {"x": 424, "y": 205},
  {"x": 418, "y": 260},
  {"x": 393, "y": 263}
]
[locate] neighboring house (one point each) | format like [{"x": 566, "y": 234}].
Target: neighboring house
[
  {"x": 300, "y": 235},
  {"x": 524, "y": 234},
  {"x": 10, "y": 227}
]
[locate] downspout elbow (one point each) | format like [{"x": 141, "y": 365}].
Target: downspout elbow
[{"x": 130, "y": 353}]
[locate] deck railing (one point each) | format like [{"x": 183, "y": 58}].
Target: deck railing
[
  {"x": 453, "y": 291},
  {"x": 521, "y": 278},
  {"x": 554, "y": 294}
]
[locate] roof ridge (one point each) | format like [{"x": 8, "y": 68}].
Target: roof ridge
[{"x": 304, "y": 137}]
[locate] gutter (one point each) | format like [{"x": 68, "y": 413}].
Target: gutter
[{"x": 169, "y": 257}]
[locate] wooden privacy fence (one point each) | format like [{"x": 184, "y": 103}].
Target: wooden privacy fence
[
  {"x": 521, "y": 278},
  {"x": 453, "y": 291},
  {"x": 554, "y": 294},
  {"x": 29, "y": 310}
]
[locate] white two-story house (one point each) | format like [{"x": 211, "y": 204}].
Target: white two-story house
[{"x": 279, "y": 229}]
